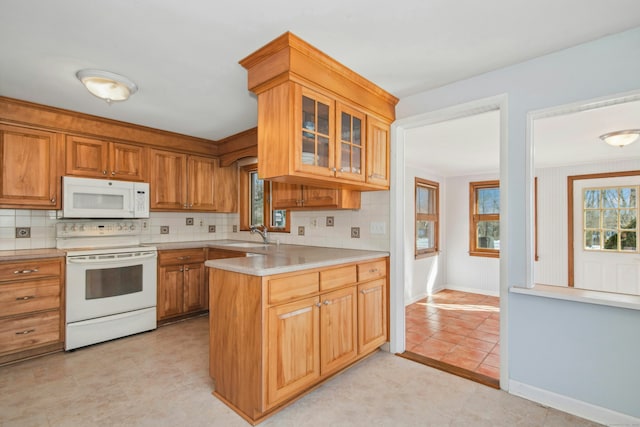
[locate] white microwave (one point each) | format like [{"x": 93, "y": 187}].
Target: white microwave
[{"x": 103, "y": 198}]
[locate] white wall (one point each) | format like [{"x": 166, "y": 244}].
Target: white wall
[
  {"x": 529, "y": 335},
  {"x": 465, "y": 272},
  {"x": 552, "y": 267},
  {"x": 423, "y": 276},
  {"x": 374, "y": 208}
]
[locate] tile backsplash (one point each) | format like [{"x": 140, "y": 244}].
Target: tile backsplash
[{"x": 375, "y": 209}]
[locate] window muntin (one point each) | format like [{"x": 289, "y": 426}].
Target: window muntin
[
  {"x": 484, "y": 218},
  {"x": 427, "y": 213},
  {"x": 610, "y": 219}
]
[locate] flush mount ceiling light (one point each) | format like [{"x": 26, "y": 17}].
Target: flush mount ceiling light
[
  {"x": 621, "y": 138},
  {"x": 106, "y": 85}
]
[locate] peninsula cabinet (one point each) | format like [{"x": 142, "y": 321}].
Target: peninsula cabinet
[
  {"x": 94, "y": 158},
  {"x": 182, "y": 182},
  {"x": 181, "y": 286},
  {"x": 31, "y": 308},
  {"x": 297, "y": 197},
  {"x": 31, "y": 162},
  {"x": 273, "y": 338}
]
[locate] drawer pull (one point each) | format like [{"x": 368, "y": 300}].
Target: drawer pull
[
  {"x": 368, "y": 291},
  {"x": 25, "y": 298},
  {"x": 373, "y": 270},
  {"x": 294, "y": 313},
  {"x": 184, "y": 257},
  {"x": 34, "y": 270},
  {"x": 28, "y": 331}
]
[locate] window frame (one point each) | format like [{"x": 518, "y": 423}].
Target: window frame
[
  {"x": 245, "y": 202},
  {"x": 475, "y": 218},
  {"x": 435, "y": 217}
]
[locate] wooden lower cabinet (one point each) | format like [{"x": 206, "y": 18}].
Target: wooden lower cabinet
[
  {"x": 181, "y": 286},
  {"x": 273, "y": 338},
  {"x": 31, "y": 308}
]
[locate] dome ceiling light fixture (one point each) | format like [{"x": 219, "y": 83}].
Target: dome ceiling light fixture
[
  {"x": 107, "y": 85},
  {"x": 620, "y": 138}
]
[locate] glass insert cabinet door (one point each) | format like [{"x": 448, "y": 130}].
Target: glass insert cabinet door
[
  {"x": 315, "y": 149},
  {"x": 350, "y": 143}
]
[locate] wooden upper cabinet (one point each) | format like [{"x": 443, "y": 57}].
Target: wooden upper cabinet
[
  {"x": 94, "y": 158},
  {"x": 299, "y": 197},
  {"x": 168, "y": 180},
  {"x": 31, "y": 162},
  {"x": 317, "y": 118},
  {"x": 378, "y": 144},
  {"x": 183, "y": 182}
]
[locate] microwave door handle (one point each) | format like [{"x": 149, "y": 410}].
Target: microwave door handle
[{"x": 72, "y": 260}]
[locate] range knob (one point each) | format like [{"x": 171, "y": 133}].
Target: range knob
[
  {"x": 82, "y": 228},
  {"x": 119, "y": 226},
  {"x": 73, "y": 227},
  {"x": 65, "y": 227},
  {"x": 133, "y": 227}
]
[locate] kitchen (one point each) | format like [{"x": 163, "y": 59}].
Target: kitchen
[{"x": 374, "y": 205}]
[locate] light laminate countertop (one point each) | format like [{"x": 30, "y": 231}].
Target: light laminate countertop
[
  {"x": 17, "y": 255},
  {"x": 265, "y": 260}
]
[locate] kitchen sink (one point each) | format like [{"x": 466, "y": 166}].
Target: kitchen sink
[{"x": 248, "y": 245}]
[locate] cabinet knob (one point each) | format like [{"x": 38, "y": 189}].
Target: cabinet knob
[
  {"x": 53, "y": 200},
  {"x": 185, "y": 205},
  {"x": 334, "y": 170},
  {"x": 113, "y": 173},
  {"x": 191, "y": 205},
  {"x": 341, "y": 169},
  {"x": 186, "y": 269},
  {"x": 181, "y": 269},
  {"x": 318, "y": 305},
  {"x": 327, "y": 302},
  {"x": 104, "y": 172}
]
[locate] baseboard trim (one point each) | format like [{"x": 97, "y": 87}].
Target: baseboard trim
[
  {"x": 472, "y": 290},
  {"x": 573, "y": 406}
]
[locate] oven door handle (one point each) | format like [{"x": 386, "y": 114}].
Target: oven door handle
[{"x": 103, "y": 259}]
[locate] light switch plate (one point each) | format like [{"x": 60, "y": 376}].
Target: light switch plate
[
  {"x": 377, "y": 228},
  {"x": 235, "y": 228},
  {"x": 164, "y": 229}
]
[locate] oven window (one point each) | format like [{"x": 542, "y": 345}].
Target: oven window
[{"x": 111, "y": 282}]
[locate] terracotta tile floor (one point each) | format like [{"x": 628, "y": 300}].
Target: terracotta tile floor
[{"x": 457, "y": 328}]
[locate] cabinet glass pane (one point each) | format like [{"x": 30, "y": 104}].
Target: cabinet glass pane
[
  {"x": 308, "y": 113},
  {"x": 345, "y": 157},
  {"x": 357, "y": 126},
  {"x": 323, "y": 151},
  {"x": 345, "y": 127},
  {"x": 355, "y": 168},
  {"x": 323, "y": 119}
]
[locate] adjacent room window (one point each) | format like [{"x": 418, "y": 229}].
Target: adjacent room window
[
  {"x": 255, "y": 203},
  {"x": 427, "y": 193},
  {"x": 610, "y": 215},
  {"x": 484, "y": 218}
]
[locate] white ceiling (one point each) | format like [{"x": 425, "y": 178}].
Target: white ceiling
[
  {"x": 471, "y": 145},
  {"x": 184, "y": 55}
]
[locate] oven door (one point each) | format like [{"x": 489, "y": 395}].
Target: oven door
[{"x": 106, "y": 284}]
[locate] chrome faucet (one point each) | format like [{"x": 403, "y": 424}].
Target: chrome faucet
[{"x": 262, "y": 230}]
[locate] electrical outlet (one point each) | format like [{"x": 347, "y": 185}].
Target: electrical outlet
[
  {"x": 313, "y": 222},
  {"x": 164, "y": 229},
  {"x": 145, "y": 225},
  {"x": 235, "y": 228},
  {"x": 329, "y": 221},
  {"x": 355, "y": 232},
  {"x": 201, "y": 222},
  {"x": 212, "y": 229},
  {"x": 189, "y": 221},
  {"x": 301, "y": 230},
  {"x": 23, "y": 232},
  {"x": 377, "y": 228}
]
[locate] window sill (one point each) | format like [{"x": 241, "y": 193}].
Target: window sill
[
  {"x": 485, "y": 254},
  {"x": 610, "y": 299}
]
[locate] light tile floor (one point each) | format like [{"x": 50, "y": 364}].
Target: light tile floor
[
  {"x": 458, "y": 328},
  {"x": 161, "y": 379}
]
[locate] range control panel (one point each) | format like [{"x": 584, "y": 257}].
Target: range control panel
[{"x": 97, "y": 228}]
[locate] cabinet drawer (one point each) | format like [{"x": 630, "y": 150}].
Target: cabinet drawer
[
  {"x": 20, "y": 298},
  {"x": 31, "y": 269},
  {"x": 182, "y": 256},
  {"x": 293, "y": 287},
  {"x": 223, "y": 253},
  {"x": 372, "y": 270},
  {"x": 29, "y": 331},
  {"x": 336, "y": 277}
]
